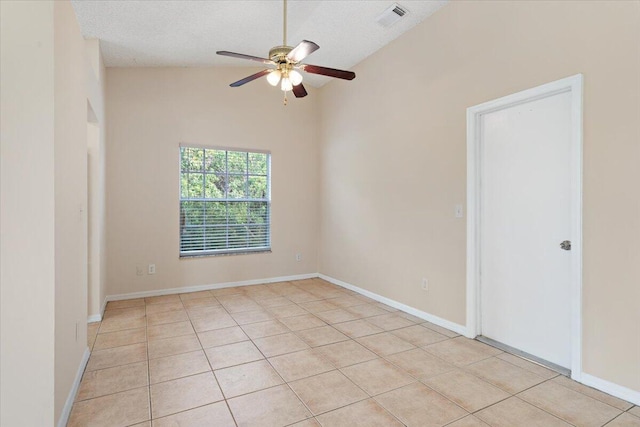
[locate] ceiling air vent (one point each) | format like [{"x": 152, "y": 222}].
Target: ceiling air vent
[{"x": 391, "y": 15}]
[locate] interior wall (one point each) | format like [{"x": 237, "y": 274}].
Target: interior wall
[
  {"x": 393, "y": 158},
  {"x": 70, "y": 189},
  {"x": 27, "y": 207},
  {"x": 150, "y": 111},
  {"x": 96, "y": 130}
]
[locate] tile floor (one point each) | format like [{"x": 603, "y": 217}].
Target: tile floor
[{"x": 309, "y": 353}]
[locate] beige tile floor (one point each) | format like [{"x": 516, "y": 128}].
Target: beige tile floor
[{"x": 308, "y": 353}]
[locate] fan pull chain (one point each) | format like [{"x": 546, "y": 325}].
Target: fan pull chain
[{"x": 285, "y": 99}]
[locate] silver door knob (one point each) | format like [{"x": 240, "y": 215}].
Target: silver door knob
[{"x": 566, "y": 245}]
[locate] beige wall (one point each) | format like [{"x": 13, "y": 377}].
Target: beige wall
[
  {"x": 70, "y": 182},
  {"x": 27, "y": 206},
  {"x": 44, "y": 208},
  {"x": 149, "y": 112},
  {"x": 96, "y": 171},
  {"x": 393, "y": 157}
]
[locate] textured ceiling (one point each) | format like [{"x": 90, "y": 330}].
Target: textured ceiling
[{"x": 188, "y": 33}]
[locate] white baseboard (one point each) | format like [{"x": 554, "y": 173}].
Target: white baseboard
[
  {"x": 462, "y": 330},
  {"x": 171, "y": 291},
  {"x": 94, "y": 318},
  {"x": 66, "y": 410},
  {"x": 613, "y": 389}
]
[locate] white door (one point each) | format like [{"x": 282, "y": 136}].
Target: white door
[{"x": 525, "y": 214}]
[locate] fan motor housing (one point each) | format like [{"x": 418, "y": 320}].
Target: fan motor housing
[{"x": 279, "y": 54}]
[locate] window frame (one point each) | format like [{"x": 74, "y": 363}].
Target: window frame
[{"x": 227, "y": 251}]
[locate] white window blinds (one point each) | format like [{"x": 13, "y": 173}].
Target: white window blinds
[{"x": 224, "y": 201}]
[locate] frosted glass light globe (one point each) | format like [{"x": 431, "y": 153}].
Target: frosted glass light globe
[
  {"x": 295, "y": 77},
  {"x": 286, "y": 84},
  {"x": 274, "y": 77}
]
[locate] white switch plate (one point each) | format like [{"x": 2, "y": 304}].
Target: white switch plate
[
  {"x": 298, "y": 257},
  {"x": 152, "y": 269},
  {"x": 425, "y": 284},
  {"x": 459, "y": 211}
]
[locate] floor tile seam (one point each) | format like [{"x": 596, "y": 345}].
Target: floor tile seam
[
  {"x": 465, "y": 369},
  {"x": 615, "y": 418},
  {"x": 120, "y": 330},
  {"x": 535, "y": 406},
  {"x": 266, "y": 336},
  {"x": 169, "y": 323},
  {"x": 221, "y": 345},
  {"x": 629, "y": 410},
  {"x": 115, "y": 366},
  {"x": 425, "y": 348},
  {"x": 469, "y": 414},
  {"x": 172, "y": 336},
  {"x": 367, "y": 393},
  {"x": 592, "y": 397},
  {"x": 113, "y": 394},
  {"x": 384, "y": 408},
  {"x": 106, "y": 319},
  {"x": 466, "y": 412},
  {"x": 120, "y": 345},
  {"x": 217, "y": 383},
  {"x": 527, "y": 369},
  {"x": 178, "y": 377},
  {"x": 152, "y": 418},
  {"x": 366, "y": 397},
  {"x": 108, "y": 349},
  {"x": 148, "y": 377},
  {"x": 306, "y": 419},
  {"x": 423, "y": 382},
  {"x": 517, "y": 395},
  {"x": 445, "y": 338},
  {"x": 576, "y": 391}
]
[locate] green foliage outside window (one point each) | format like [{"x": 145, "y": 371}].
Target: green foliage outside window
[{"x": 224, "y": 201}]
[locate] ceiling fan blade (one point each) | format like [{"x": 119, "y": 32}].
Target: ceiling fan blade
[
  {"x": 250, "y": 78},
  {"x": 331, "y": 72},
  {"x": 299, "y": 91},
  {"x": 304, "y": 49},
  {"x": 243, "y": 56}
]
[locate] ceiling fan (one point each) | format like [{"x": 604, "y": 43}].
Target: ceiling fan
[{"x": 287, "y": 61}]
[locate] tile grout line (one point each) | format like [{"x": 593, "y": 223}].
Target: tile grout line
[{"x": 224, "y": 399}]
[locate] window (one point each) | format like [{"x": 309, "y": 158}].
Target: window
[{"x": 224, "y": 201}]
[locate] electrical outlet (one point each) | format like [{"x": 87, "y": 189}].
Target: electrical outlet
[
  {"x": 425, "y": 284},
  {"x": 298, "y": 257},
  {"x": 152, "y": 269},
  {"x": 139, "y": 271}
]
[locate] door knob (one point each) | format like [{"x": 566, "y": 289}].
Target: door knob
[{"x": 566, "y": 245}]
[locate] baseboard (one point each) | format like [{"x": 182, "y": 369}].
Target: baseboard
[
  {"x": 171, "y": 291},
  {"x": 66, "y": 410},
  {"x": 395, "y": 304},
  {"x": 94, "y": 318},
  {"x": 613, "y": 389}
]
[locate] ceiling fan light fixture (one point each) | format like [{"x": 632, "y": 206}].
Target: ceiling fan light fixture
[
  {"x": 286, "y": 84},
  {"x": 274, "y": 77},
  {"x": 295, "y": 77}
]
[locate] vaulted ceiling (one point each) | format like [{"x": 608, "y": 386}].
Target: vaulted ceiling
[{"x": 188, "y": 33}]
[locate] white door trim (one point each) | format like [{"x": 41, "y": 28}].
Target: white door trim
[{"x": 573, "y": 85}]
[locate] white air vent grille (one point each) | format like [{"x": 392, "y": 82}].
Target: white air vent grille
[{"x": 391, "y": 15}]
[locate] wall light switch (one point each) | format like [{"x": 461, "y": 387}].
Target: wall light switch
[
  {"x": 459, "y": 212},
  {"x": 152, "y": 269}
]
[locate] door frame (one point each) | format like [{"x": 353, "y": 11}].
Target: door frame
[{"x": 574, "y": 85}]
